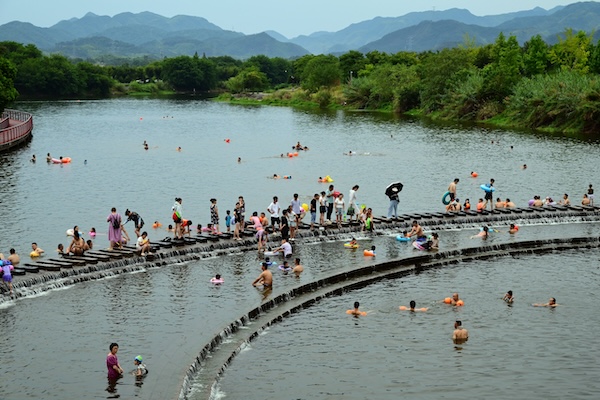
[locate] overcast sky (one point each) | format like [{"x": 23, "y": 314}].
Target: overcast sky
[{"x": 290, "y": 18}]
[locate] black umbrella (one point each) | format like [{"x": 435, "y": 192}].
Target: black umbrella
[{"x": 393, "y": 189}]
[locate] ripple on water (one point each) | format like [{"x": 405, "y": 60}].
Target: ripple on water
[{"x": 391, "y": 353}]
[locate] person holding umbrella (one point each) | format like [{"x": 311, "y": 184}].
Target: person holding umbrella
[{"x": 392, "y": 192}]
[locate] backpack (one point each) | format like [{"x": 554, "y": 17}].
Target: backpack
[{"x": 116, "y": 223}]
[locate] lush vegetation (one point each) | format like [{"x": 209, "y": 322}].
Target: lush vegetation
[{"x": 536, "y": 85}]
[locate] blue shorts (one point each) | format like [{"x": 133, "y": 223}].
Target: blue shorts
[
  {"x": 339, "y": 211},
  {"x": 7, "y": 278},
  {"x": 313, "y": 216}
]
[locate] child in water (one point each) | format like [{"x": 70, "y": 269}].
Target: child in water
[
  {"x": 141, "y": 369},
  {"x": 92, "y": 232}
]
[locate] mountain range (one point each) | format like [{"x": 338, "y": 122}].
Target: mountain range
[{"x": 150, "y": 35}]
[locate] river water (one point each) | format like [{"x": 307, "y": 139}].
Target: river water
[{"x": 56, "y": 343}]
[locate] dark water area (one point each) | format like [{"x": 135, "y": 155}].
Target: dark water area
[{"x": 56, "y": 342}]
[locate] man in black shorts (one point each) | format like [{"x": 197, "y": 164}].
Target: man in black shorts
[{"x": 137, "y": 220}]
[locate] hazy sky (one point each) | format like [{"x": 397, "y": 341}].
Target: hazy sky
[{"x": 290, "y": 18}]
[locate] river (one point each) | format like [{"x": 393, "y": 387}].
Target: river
[{"x": 56, "y": 343}]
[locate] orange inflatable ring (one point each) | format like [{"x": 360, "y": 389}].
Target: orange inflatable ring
[
  {"x": 369, "y": 253},
  {"x": 448, "y": 300},
  {"x": 460, "y": 303},
  {"x": 474, "y": 174}
]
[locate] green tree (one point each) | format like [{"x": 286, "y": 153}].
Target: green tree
[
  {"x": 505, "y": 70},
  {"x": 535, "y": 57},
  {"x": 321, "y": 71},
  {"x": 97, "y": 82},
  {"x": 351, "y": 63},
  {"x": 52, "y": 76},
  {"x": 190, "y": 73},
  {"x": 595, "y": 58},
  {"x": 250, "y": 79},
  {"x": 8, "y": 93},
  {"x": 440, "y": 71},
  {"x": 572, "y": 52}
]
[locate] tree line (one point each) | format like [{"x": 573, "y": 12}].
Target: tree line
[{"x": 535, "y": 85}]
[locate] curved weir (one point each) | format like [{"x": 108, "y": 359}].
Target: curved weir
[
  {"x": 217, "y": 355},
  {"x": 212, "y": 247}
]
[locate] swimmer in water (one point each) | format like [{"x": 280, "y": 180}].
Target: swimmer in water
[
  {"x": 413, "y": 308},
  {"x": 265, "y": 278},
  {"x": 508, "y": 297},
  {"x": 454, "y": 300},
  {"x": 35, "y": 249},
  {"x": 217, "y": 279},
  {"x": 275, "y": 176},
  {"x": 484, "y": 234},
  {"x": 298, "y": 268},
  {"x": 179, "y": 148},
  {"x": 33, "y": 159},
  {"x": 239, "y": 160},
  {"x": 513, "y": 229},
  {"x": 551, "y": 303},
  {"x": 48, "y": 158},
  {"x": 140, "y": 368},
  {"x": 460, "y": 334},
  {"x": 356, "y": 312},
  {"x": 353, "y": 242},
  {"x": 524, "y": 166}
]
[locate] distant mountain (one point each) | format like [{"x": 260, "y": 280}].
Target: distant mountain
[
  {"x": 151, "y": 35},
  {"x": 437, "y": 35},
  {"x": 426, "y": 36},
  {"x": 145, "y": 34},
  {"x": 359, "y": 34}
]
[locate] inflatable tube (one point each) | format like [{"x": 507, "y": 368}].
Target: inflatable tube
[
  {"x": 288, "y": 269},
  {"x": 305, "y": 207},
  {"x": 460, "y": 303},
  {"x": 446, "y": 198},
  {"x": 369, "y": 253},
  {"x": 488, "y": 189},
  {"x": 70, "y": 232},
  {"x": 34, "y": 254},
  {"x": 271, "y": 253},
  {"x": 474, "y": 174},
  {"x": 56, "y": 161},
  {"x": 350, "y": 246},
  {"x": 448, "y": 300},
  {"x": 336, "y": 194},
  {"x": 216, "y": 281},
  {"x": 401, "y": 238},
  {"x": 66, "y": 160}
]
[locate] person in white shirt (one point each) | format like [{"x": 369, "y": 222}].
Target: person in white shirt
[
  {"x": 143, "y": 244},
  {"x": 274, "y": 209},
  {"x": 352, "y": 203}
]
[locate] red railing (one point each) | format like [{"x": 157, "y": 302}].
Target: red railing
[{"x": 19, "y": 125}]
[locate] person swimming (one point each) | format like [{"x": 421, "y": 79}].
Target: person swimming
[
  {"x": 551, "y": 303},
  {"x": 412, "y": 307},
  {"x": 508, "y": 297},
  {"x": 356, "y": 312}
]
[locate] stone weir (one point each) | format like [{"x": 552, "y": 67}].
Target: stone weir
[
  {"x": 213, "y": 360},
  {"x": 44, "y": 273}
]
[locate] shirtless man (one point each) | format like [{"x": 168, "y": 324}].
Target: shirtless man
[
  {"x": 412, "y": 308},
  {"x": 35, "y": 248},
  {"x": 500, "y": 203},
  {"x": 509, "y": 204},
  {"x": 585, "y": 201},
  {"x": 550, "y": 303},
  {"x": 298, "y": 268},
  {"x": 416, "y": 230},
  {"x": 537, "y": 201},
  {"x": 356, "y": 312},
  {"x": 565, "y": 200},
  {"x": 452, "y": 189},
  {"x": 265, "y": 278},
  {"x": 14, "y": 258},
  {"x": 460, "y": 335},
  {"x": 455, "y": 299},
  {"x": 508, "y": 297}
]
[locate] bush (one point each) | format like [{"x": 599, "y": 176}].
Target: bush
[{"x": 567, "y": 100}]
